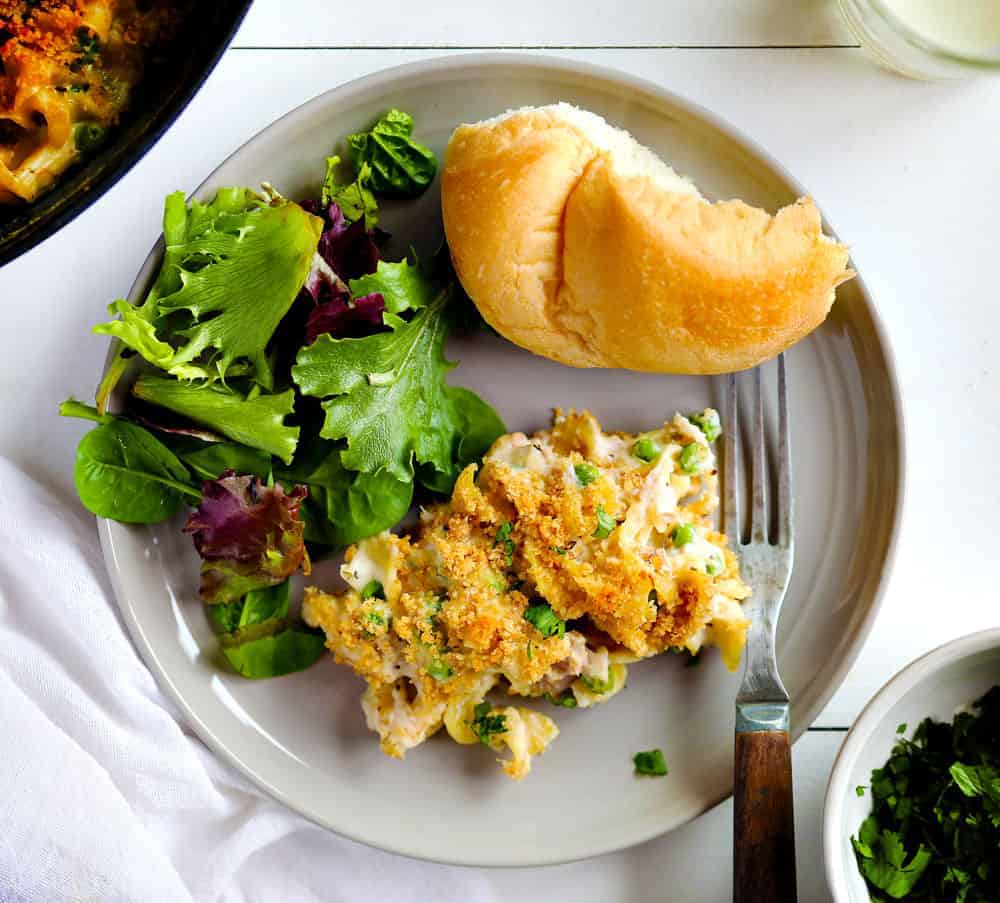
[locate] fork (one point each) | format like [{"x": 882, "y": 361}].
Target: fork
[{"x": 764, "y": 824}]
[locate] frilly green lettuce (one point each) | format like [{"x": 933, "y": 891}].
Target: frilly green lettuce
[{"x": 231, "y": 270}]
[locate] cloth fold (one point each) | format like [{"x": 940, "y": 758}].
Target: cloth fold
[{"x": 105, "y": 795}]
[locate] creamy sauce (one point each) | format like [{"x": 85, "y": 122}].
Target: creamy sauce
[{"x": 968, "y": 27}]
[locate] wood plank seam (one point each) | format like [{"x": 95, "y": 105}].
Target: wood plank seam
[{"x": 263, "y": 47}]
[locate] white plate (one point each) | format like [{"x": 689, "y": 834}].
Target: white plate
[
  {"x": 936, "y": 686},
  {"x": 303, "y": 738}
]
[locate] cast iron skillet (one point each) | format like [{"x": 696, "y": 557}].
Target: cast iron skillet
[{"x": 168, "y": 84}]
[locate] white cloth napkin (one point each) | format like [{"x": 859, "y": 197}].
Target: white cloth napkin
[{"x": 105, "y": 795}]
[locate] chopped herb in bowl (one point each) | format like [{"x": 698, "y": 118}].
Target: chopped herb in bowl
[{"x": 934, "y": 830}]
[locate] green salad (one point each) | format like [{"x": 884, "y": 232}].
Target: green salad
[
  {"x": 934, "y": 830},
  {"x": 290, "y": 390}
]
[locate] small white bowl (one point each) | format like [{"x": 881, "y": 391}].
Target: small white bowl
[{"x": 936, "y": 685}]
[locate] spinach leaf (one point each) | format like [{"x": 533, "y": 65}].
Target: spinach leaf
[
  {"x": 345, "y": 506},
  {"x": 73, "y": 408},
  {"x": 262, "y": 643},
  {"x": 225, "y": 616},
  {"x": 479, "y": 428},
  {"x": 256, "y": 420},
  {"x": 261, "y": 605},
  {"x": 210, "y": 461},
  {"x": 400, "y": 167},
  {"x": 272, "y": 655},
  {"x": 124, "y": 473}
]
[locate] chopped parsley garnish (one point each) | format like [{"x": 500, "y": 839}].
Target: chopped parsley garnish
[
  {"x": 708, "y": 422},
  {"x": 646, "y": 449},
  {"x": 544, "y": 619},
  {"x": 605, "y": 524},
  {"x": 586, "y": 473},
  {"x": 860, "y": 790},
  {"x": 373, "y": 589},
  {"x": 934, "y": 829},
  {"x": 503, "y": 536},
  {"x": 566, "y": 699},
  {"x": 485, "y": 725},
  {"x": 714, "y": 565},
  {"x": 596, "y": 685},
  {"x": 559, "y": 550},
  {"x": 528, "y": 651},
  {"x": 376, "y": 617},
  {"x": 692, "y": 458},
  {"x": 650, "y": 762},
  {"x": 439, "y": 670}
]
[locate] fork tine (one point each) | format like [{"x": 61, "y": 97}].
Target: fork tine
[
  {"x": 758, "y": 513},
  {"x": 784, "y": 460},
  {"x": 730, "y": 469}
]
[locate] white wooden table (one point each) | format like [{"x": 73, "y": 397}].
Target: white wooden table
[{"x": 906, "y": 172}]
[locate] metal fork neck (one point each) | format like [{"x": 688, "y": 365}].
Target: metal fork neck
[{"x": 761, "y": 716}]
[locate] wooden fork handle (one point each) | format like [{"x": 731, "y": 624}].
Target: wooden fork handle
[{"x": 764, "y": 823}]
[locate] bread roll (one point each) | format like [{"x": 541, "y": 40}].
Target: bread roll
[{"x": 579, "y": 244}]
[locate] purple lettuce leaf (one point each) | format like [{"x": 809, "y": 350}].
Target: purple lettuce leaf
[
  {"x": 343, "y": 319},
  {"x": 249, "y": 535},
  {"x": 347, "y": 249}
]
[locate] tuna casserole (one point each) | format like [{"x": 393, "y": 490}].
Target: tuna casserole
[{"x": 566, "y": 556}]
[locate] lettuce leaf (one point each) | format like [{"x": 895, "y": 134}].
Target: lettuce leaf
[
  {"x": 346, "y": 319},
  {"x": 354, "y": 198},
  {"x": 249, "y": 536},
  {"x": 346, "y": 247},
  {"x": 230, "y": 271},
  {"x": 256, "y": 420},
  {"x": 403, "y": 286},
  {"x": 386, "y": 394},
  {"x": 398, "y": 165}
]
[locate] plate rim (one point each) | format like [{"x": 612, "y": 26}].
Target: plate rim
[{"x": 636, "y": 85}]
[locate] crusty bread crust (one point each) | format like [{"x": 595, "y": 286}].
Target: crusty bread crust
[{"x": 578, "y": 245}]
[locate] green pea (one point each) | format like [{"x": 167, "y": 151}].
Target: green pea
[
  {"x": 586, "y": 473},
  {"x": 692, "y": 458},
  {"x": 646, "y": 449},
  {"x": 708, "y": 422},
  {"x": 683, "y": 534},
  {"x": 88, "y": 136},
  {"x": 439, "y": 670}
]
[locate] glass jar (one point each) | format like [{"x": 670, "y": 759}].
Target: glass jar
[{"x": 930, "y": 39}]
